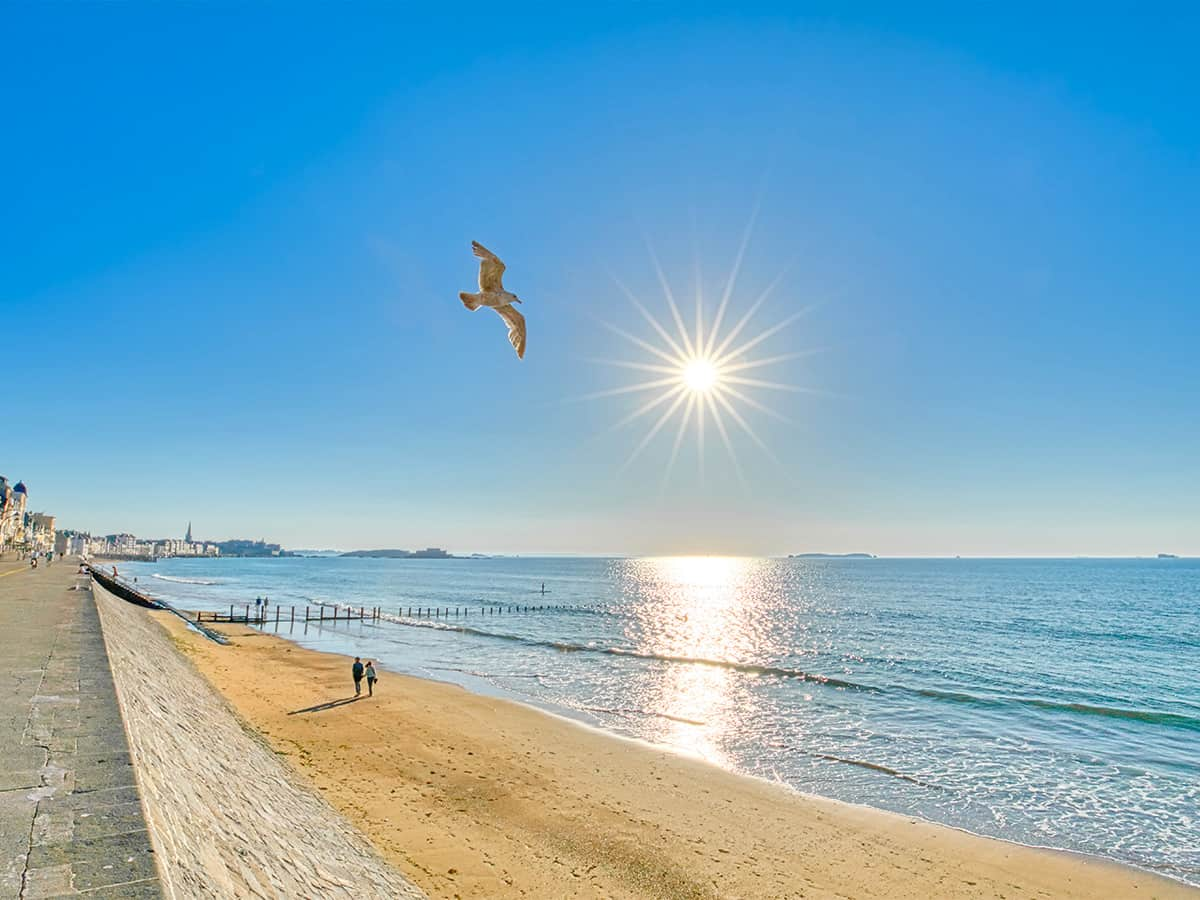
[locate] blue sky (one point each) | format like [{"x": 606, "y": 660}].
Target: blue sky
[{"x": 234, "y": 236}]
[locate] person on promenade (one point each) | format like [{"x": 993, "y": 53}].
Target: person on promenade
[
  {"x": 371, "y": 679},
  {"x": 357, "y": 671}
]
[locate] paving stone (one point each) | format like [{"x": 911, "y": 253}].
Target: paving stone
[
  {"x": 133, "y": 864},
  {"x": 134, "y": 890},
  {"x": 19, "y": 758},
  {"x": 51, "y": 881},
  {"x": 52, "y": 825},
  {"x": 98, "y": 744},
  {"x": 121, "y": 818},
  {"x": 109, "y": 846},
  {"x": 16, "y": 781},
  {"x": 15, "y": 819},
  {"x": 102, "y": 799},
  {"x": 94, "y": 778},
  {"x": 114, "y": 756},
  {"x": 71, "y": 821}
]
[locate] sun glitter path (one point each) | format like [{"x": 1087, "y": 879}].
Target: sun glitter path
[{"x": 226, "y": 817}]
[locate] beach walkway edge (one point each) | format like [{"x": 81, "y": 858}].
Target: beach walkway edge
[{"x": 71, "y": 819}]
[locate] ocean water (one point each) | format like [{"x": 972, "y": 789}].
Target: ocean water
[{"x": 1049, "y": 702}]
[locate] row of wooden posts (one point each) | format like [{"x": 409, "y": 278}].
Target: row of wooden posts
[
  {"x": 323, "y": 613},
  {"x": 260, "y": 616},
  {"x": 446, "y": 612}
]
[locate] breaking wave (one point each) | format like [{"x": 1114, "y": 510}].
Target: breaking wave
[{"x": 181, "y": 580}]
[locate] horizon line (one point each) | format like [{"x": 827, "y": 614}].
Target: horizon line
[{"x": 540, "y": 554}]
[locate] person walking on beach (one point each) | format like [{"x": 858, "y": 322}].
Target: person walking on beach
[
  {"x": 371, "y": 679},
  {"x": 357, "y": 671}
]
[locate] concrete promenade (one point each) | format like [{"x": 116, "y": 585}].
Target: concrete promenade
[{"x": 71, "y": 822}]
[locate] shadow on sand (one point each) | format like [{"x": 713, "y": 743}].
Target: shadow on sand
[{"x": 320, "y": 706}]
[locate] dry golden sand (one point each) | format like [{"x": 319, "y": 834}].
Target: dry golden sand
[{"x": 475, "y": 797}]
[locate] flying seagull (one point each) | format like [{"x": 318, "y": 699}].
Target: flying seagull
[{"x": 492, "y": 293}]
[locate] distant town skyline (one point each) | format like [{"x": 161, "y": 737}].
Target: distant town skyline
[
  {"x": 240, "y": 305},
  {"x": 202, "y": 547}
]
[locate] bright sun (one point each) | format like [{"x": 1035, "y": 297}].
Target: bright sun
[
  {"x": 701, "y": 372},
  {"x": 700, "y": 375}
]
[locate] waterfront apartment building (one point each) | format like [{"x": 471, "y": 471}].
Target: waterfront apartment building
[
  {"x": 173, "y": 547},
  {"x": 42, "y": 522},
  {"x": 13, "y": 499},
  {"x": 40, "y": 532},
  {"x": 19, "y": 528},
  {"x": 129, "y": 546},
  {"x": 30, "y": 532}
]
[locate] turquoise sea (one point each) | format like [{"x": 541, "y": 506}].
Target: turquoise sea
[{"x": 1049, "y": 702}]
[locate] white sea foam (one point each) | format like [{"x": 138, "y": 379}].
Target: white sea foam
[{"x": 182, "y": 580}]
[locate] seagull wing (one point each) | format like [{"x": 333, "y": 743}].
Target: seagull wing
[
  {"x": 516, "y": 327},
  {"x": 490, "y": 268}
]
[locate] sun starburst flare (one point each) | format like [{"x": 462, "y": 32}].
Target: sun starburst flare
[{"x": 699, "y": 373}]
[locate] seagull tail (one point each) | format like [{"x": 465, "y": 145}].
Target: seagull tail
[{"x": 470, "y": 301}]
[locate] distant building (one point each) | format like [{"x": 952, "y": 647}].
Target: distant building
[
  {"x": 242, "y": 547},
  {"x": 15, "y": 528},
  {"x": 71, "y": 543},
  {"x": 39, "y": 532},
  {"x": 188, "y": 536}
]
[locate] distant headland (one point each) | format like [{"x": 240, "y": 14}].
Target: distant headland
[
  {"x": 832, "y": 556},
  {"x": 427, "y": 553}
]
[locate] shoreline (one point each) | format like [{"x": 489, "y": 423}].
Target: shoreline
[
  {"x": 803, "y": 796},
  {"x": 612, "y": 814}
]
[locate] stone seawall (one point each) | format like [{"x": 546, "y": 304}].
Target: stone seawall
[{"x": 227, "y": 817}]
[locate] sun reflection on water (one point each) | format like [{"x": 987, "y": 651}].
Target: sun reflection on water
[{"x": 701, "y": 608}]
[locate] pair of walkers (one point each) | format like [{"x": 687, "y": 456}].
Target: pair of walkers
[{"x": 360, "y": 671}]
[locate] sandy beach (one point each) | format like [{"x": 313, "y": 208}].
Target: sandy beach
[{"x": 471, "y": 796}]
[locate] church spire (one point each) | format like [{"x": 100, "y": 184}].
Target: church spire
[{"x": 189, "y": 533}]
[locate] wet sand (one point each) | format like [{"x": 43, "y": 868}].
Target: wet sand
[{"x": 471, "y": 796}]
